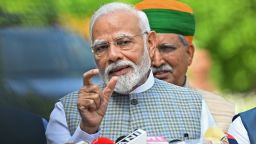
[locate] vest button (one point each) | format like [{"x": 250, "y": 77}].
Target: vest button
[{"x": 134, "y": 101}]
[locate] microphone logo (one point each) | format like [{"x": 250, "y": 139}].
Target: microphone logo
[{"x": 138, "y": 136}]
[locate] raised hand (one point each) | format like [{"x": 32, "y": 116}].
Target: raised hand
[{"x": 92, "y": 102}]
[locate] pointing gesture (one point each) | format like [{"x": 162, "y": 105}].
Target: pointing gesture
[{"x": 92, "y": 102}]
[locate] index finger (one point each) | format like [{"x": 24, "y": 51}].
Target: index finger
[
  {"x": 110, "y": 87},
  {"x": 88, "y": 75}
]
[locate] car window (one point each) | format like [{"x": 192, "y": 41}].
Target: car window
[{"x": 45, "y": 51}]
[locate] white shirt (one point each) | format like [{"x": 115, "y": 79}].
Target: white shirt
[
  {"x": 57, "y": 131},
  {"x": 238, "y": 131}
]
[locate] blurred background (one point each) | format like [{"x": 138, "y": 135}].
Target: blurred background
[{"x": 44, "y": 50}]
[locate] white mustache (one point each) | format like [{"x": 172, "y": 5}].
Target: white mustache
[
  {"x": 164, "y": 67},
  {"x": 118, "y": 64}
]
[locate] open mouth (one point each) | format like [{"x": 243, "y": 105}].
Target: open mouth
[{"x": 121, "y": 70}]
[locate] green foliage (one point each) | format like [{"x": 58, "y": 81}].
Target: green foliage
[
  {"x": 46, "y": 12},
  {"x": 227, "y": 30},
  {"x": 28, "y": 12},
  {"x": 83, "y": 8}
]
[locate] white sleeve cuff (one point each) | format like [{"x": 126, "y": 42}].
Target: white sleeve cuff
[
  {"x": 207, "y": 120},
  {"x": 80, "y": 135}
]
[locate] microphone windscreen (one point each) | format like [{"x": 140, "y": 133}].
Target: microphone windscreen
[{"x": 103, "y": 140}]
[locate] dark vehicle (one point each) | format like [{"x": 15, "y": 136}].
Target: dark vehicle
[{"x": 44, "y": 62}]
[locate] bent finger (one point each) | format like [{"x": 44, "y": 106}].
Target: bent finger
[{"x": 88, "y": 75}]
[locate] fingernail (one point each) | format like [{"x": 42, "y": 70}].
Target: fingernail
[
  {"x": 115, "y": 77},
  {"x": 96, "y": 70}
]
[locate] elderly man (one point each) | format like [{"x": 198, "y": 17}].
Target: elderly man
[
  {"x": 130, "y": 97},
  {"x": 175, "y": 26}
]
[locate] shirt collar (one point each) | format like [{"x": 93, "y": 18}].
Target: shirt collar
[{"x": 147, "y": 85}]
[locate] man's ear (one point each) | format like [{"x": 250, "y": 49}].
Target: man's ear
[
  {"x": 190, "y": 53},
  {"x": 151, "y": 43}
]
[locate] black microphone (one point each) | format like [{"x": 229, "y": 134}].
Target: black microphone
[
  {"x": 120, "y": 138},
  {"x": 138, "y": 136}
]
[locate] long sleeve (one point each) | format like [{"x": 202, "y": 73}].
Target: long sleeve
[{"x": 57, "y": 131}]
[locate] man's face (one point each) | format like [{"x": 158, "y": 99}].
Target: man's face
[
  {"x": 118, "y": 47},
  {"x": 171, "y": 59}
]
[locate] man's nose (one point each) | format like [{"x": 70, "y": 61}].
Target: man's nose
[
  {"x": 114, "y": 53},
  {"x": 157, "y": 60}
]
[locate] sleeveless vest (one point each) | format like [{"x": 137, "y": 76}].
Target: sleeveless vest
[{"x": 163, "y": 110}]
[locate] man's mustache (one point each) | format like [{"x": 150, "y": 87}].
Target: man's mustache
[
  {"x": 117, "y": 65},
  {"x": 162, "y": 68}
]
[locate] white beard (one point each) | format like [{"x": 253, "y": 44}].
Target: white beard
[{"x": 127, "y": 82}]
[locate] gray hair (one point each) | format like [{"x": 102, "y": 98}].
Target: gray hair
[
  {"x": 115, "y": 6},
  {"x": 183, "y": 40}
]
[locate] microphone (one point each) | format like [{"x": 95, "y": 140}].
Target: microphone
[
  {"x": 120, "y": 138},
  {"x": 102, "y": 140},
  {"x": 138, "y": 136}
]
